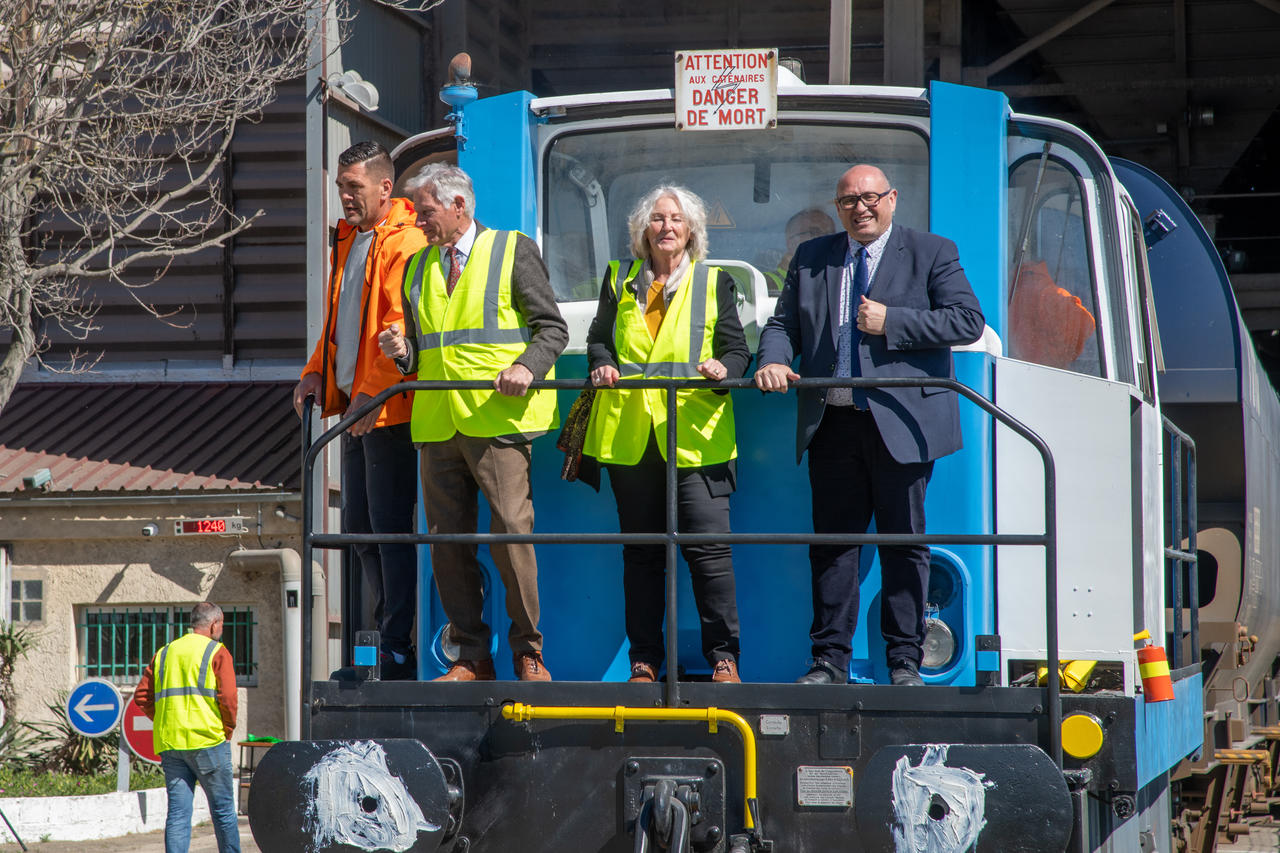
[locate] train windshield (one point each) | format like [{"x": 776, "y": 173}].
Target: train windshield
[{"x": 765, "y": 191}]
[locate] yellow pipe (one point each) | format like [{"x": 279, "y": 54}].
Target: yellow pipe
[{"x": 519, "y": 712}]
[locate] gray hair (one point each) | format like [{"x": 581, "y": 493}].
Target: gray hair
[
  {"x": 447, "y": 182},
  {"x": 691, "y": 206},
  {"x": 205, "y": 613}
]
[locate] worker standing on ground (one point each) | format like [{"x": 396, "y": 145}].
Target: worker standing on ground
[{"x": 189, "y": 690}]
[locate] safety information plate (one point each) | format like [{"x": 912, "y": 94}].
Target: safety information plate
[
  {"x": 824, "y": 786},
  {"x": 775, "y": 724}
]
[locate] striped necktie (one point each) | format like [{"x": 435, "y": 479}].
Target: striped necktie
[{"x": 455, "y": 269}]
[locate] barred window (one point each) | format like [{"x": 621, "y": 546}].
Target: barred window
[{"x": 117, "y": 643}]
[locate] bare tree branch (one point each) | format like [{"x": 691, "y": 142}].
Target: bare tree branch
[
  {"x": 115, "y": 120},
  {"x": 411, "y": 5}
]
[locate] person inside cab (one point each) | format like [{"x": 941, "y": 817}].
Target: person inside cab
[{"x": 806, "y": 225}]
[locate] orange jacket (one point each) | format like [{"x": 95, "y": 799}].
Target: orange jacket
[
  {"x": 397, "y": 239},
  {"x": 1047, "y": 324}
]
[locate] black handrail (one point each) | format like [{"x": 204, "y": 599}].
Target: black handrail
[
  {"x": 672, "y": 538},
  {"x": 308, "y": 502},
  {"x": 1183, "y": 497}
]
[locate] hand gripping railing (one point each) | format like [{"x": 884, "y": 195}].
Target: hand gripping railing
[{"x": 672, "y": 538}]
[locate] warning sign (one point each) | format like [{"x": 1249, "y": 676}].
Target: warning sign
[
  {"x": 719, "y": 217},
  {"x": 727, "y": 89}
]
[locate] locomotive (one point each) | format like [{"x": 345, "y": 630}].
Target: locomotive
[{"x": 1118, "y": 476}]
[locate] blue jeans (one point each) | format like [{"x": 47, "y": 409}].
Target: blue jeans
[{"x": 212, "y": 767}]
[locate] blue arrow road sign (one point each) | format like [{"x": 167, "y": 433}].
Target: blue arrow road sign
[{"x": 94, "y": 707}]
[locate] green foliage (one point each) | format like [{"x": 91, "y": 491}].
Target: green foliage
[
  {"x": 16, "y": 744},
  {"x": 15, "y": 736},
  {"x": 40, "y": 783},
  {"x": 15, "y": 643},
  {"x": 44, "y": 750},
  {"x": 56, "y": 746}
]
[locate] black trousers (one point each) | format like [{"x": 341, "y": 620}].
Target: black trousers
[
  {"x": 379, "y": 495},
  {"x": 853, "y": 478},
  {"x": 702, "y": 507}
]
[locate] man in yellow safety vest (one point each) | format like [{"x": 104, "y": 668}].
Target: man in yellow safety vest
[
  {"x": 478, "y": 305},
  {"x": 189, "y": 690}
]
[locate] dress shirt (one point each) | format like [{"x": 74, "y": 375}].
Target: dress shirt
[
  {"x": 848, "y": 311},
  {"x": 464, "y": 244}
]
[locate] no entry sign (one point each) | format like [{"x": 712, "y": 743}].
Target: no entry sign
[
  {"x": 138, "y": 729},
  {"x": 727, "y": 89}
]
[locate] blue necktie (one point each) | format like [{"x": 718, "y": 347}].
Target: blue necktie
[{"x": 859, "y": 290}]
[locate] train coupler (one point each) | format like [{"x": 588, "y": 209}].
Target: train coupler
[{"x": 675, "y": 804}]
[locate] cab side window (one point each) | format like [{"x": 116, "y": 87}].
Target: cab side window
[{"x": 1052, "y": 305}]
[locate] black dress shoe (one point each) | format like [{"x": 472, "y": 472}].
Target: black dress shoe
[
  {"x": 904, "y": 673},
  {"x": 823, "y": 672}
]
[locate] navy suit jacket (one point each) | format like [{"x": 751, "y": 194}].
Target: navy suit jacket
[{"x": 930, "y": 308}]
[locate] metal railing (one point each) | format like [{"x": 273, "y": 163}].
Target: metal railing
[
  {"x": 672, "y": 538},
  {"x": 1182, "y": 512}
]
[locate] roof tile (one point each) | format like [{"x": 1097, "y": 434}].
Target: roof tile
[{"x": 187, "y": 436}]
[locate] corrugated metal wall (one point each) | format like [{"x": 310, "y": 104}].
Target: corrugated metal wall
[
  {"x": 584, "y": 45},
  {"x": 244, "y": 301},
  {"x": 392, "y": 50},
  {"x": 245, "y": 305}
]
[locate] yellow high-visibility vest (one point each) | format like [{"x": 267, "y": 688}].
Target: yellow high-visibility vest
[
  {"x": 187, "y": 715},
  {"x": 621, "y": 421},
  {"x": 476, "y": 333}
]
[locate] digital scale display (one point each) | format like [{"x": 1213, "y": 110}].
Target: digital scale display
[{"x": 218, "y": 526}]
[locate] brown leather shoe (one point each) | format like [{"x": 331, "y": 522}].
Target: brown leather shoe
[
  {"x": 726, "y": 671},
  {"x": 643, "y": 672},
  {"x": 469, "y": 670},
  {"x": 529, "y": 667}
]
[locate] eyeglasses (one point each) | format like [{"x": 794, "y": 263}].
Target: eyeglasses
[{"x": 870, "y": 200}]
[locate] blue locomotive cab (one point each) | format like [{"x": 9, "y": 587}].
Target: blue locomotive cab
[
  {"x": 1048, "y": 529},
  {"x": 569, "y": 170},
  {"x": 1045, "y": 235}
]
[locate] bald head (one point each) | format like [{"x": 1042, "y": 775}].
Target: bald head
[
  {"x": 864, "y": 171},
  {"x": 806, "y": 225},
  {"x": 864, "y": 222}
]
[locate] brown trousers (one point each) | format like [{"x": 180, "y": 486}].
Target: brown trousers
[{"x": 454, "y": 471}]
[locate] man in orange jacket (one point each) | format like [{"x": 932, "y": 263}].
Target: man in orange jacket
[{"x": 379, "y": 489}]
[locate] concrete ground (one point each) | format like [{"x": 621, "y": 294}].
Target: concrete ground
[{"x": 202, "y": 841}]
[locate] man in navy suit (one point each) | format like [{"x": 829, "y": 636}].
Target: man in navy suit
[{"x": 880, "y": 300}]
